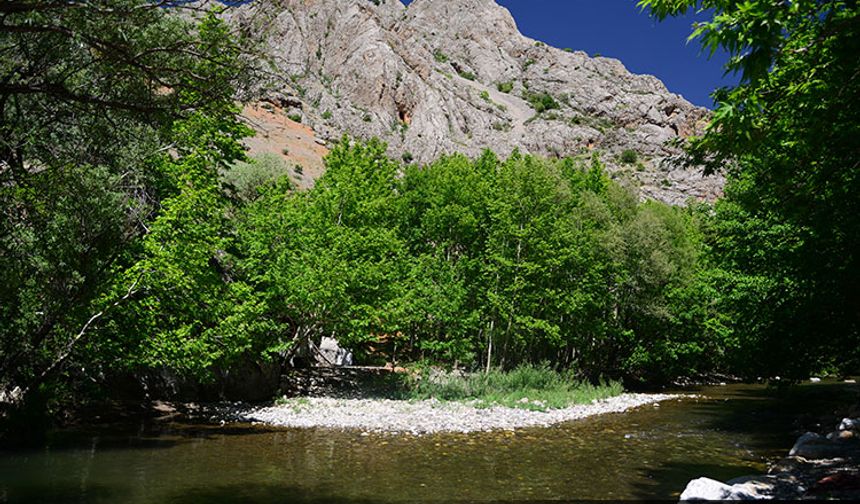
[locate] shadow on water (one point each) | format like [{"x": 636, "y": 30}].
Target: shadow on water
[
  {"x": 663, "y": 480},
  {"x": 775, "y": 416},
  {"x": 253, "y": 494},
  {"x": 62, "y": 493},
  {"x": 145, "y": 436},
  {"x": 761, "y": 420}
]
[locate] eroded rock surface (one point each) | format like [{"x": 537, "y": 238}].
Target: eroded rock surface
[{"x": 444, "y": 76}]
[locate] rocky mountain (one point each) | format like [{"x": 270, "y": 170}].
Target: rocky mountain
[{"x": 444, "y": 76}]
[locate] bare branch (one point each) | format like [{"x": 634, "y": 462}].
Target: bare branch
[{"x": 70, "y": 346}]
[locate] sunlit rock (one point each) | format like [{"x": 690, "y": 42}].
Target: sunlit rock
[
  {"x": 331, "y": 354},
  {"x": 439, "y": 77},
  {"x": 709, "y": 489}
]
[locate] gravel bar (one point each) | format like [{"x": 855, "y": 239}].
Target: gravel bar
[{"x": 430, "y": 416}]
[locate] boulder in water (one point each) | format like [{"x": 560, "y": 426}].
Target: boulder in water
[
  {"x": 709, "y": 489},
  {"x": 815, "y": 446}
]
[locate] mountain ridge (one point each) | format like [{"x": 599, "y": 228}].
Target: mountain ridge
[{"x": 445, "y": 76}]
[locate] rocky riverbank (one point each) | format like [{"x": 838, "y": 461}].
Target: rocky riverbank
[
  {"x": 817, "y": 467},
  {"x": 430, "y": 416}
]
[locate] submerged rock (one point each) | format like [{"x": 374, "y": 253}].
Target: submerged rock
[{"x": 816, "y": 446}]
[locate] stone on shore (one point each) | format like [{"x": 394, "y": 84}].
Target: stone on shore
[
  {"x": 841, "y": 435},
  {"x": 430, "y": 416}
]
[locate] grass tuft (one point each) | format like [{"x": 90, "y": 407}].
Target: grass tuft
[{"x": 527, "y": 387}]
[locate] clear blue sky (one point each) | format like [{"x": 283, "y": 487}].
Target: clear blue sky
[{"x": 618, "y": 29}]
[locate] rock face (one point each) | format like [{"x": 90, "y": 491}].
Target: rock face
[{"x": 444, "y": 76}]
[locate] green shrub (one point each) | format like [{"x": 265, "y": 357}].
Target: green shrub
[
  {"x": 541, "y": 101},
  {"x": 629, "y": 156},
  {"x": 466, "y": 75},
  {"x": 505, "y": 87},
  {"x": 295, "y": 117},
  {"x": 245, "y": 179},
  {"x": 485, "y": 96},
  {"x": 407, "y": 157},
  {"x": 439, "y": 56},
  {"x": 326, "y": 115}
]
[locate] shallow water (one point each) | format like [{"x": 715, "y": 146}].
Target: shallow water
[{"x": 648, "y": 453}]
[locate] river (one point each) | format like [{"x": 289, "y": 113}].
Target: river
[{"x": 648, "y": 453}]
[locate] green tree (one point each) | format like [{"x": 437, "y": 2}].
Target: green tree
[
  {"x": 101, "y": 102},
  {"x": 190, "y": 311},
  {"x": 481, "y": 263},
  {"x": 329, "y": 262},
  {"x": 443, "y": 216},
  {"x": 786, "y": 137}
]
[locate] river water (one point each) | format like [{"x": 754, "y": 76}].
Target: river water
[{"x": 648, "y": 453}]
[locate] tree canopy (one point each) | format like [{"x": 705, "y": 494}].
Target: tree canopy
[
  {"x": 787, "y": 231},
  {"x": 115, "y": 115},
  {"x": 485, "y": 263}
]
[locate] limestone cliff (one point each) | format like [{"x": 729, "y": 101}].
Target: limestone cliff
[{"x": 443, "y": 76}]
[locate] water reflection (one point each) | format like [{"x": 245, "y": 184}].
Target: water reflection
[{"x": 650, "y": 453}]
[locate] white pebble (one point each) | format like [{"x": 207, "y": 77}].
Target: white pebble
[{"x": 423, "y": 417}]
